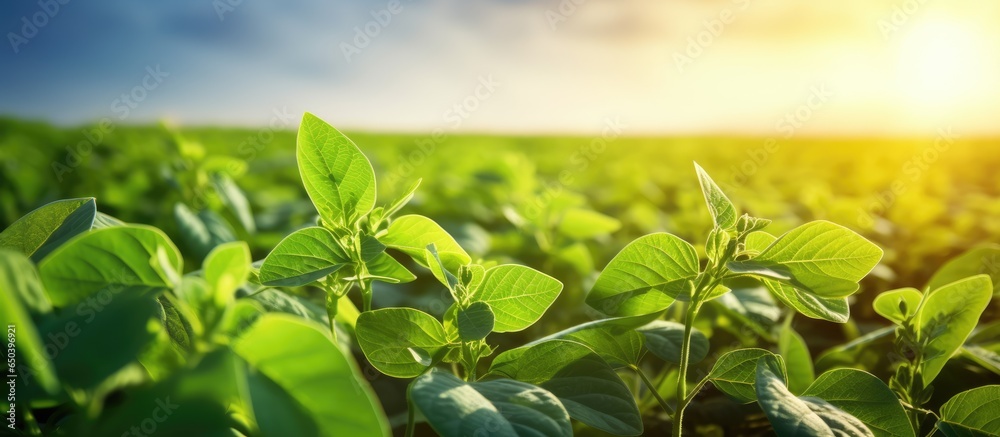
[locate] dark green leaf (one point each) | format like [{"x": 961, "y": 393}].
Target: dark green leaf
[
  {"x": 587, "y": 385},
  {"x": 500, "y": 407}
]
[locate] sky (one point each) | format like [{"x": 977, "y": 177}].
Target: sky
[{"x": 673, "y": 67}]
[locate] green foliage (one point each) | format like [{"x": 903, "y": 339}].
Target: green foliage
[
  {"x": 792, "y": 416},
  {"x": 308, "y": 378},
  {"x": 246, "y": 359},
  {"x": 587, "y": 385},
  {"x": 46, "y": 228},
  {"x": 337, "y": 176},
  {"x": 135, "y": 257},
  {"x": 501, "y": 407},
  {"x": 971, "y": 413},
  {"x": 517, "y": 295},
  {"x": 302, "y": 258},
  {"x": 400, "y": 342},
  {"x": 645, "y": 277}
]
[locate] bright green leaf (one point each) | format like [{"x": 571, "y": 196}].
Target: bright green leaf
[
  {"x": 315, "y": 376},
  {"x": 411, "y": 234},
  {"x": 400, "y": 202},
  {"x": 46, "y": 228},
  {"x": 433, "y": 261},
  {"x": 337, "y": 176},
  {"x": 517, "y": 294},
  {"x": 819, "y": 257},
  {"x": 226, "y": 268},
  {"x": 645, "y": 277},
  {"x": 722, "y": 210},
  {"x": 898, "y": 305},
  {"x": 981, "y": 259},
  {"x": 305, "y": 256},
  {"x": 946, "y": 318},
  {"x": 400, "y": 342},
  {"x": 108, "y": 259},
  {"x": 810, "y": 305},
  {"x": 582, "y": 224},
  {"x": 475, "y": 322},
  {"x": 385, "y": 268},
  {"x": 865, "y": 397},
  {"x": 972, "y": 413}
]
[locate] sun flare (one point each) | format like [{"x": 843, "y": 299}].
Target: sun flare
[{"x": 940, "y": 65}]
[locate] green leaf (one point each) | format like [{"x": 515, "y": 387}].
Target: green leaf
[
  {"x": 517, "y": 294},
  {"x": 226, "y": 268},
  {"x": 370, "y": 248},
  {"x": 233, "y": 198},
  {"x": 400, "y": 342},
  {"x": 615, "y": 340},
  {"x": 898, "y": 305},
  {"x": 108, "y": 260},
  {"x": 971, "y": 413},
  {"x": 21, "y": 294},
  {"x": 41, "y": 231},
  {"x": 202, "y": 231},
  {"x": 722, "y": 210},
  {"x": 798, "y": 362},
  {"x": 586, "y": 385},
  {"x": 411, "y": 234},
  {"x": 278, "y": 301},
  {"x": 501, "y": 407},
  {"x": 102, "y": 220},
  {"x": 734, "y": 373},
  {"x": 865, "y": 397},
  {"x": 337, "y": 176},
  {"x": 645, "y": 277},
  {"x": 946, "y": 318},
  {"x": 664, "y": 340},
  {"x": 386, "y": 269},
  {"x": 178, "y": 327},
  {"x": 981, "y": 259},
  {"x": 192, "y": 402},
  {"x": 475, "y": 322},
  {"x": 399, "y": 203},
  {"x": 433, "y": 261},
  {"x": 582, "y": 224},
  {"x": 819, "y": 257},
  {"x": 792, "y": 416},
  {"x": 313, "y": 374},
  {"x": 835, "y": 310},
  {"x": 305, "y": 256},
  {"x": 96, "y": 340}
]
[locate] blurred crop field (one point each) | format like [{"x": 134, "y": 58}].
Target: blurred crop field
[{"x": 504, "y": 197}]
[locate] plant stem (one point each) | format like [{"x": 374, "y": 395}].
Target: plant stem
[
  {"x": 682, "y": 399},
  {"x": 331, "y": 312},
  {"x": 653, "y": 390},
  {"x": 410, "y": 413}
]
